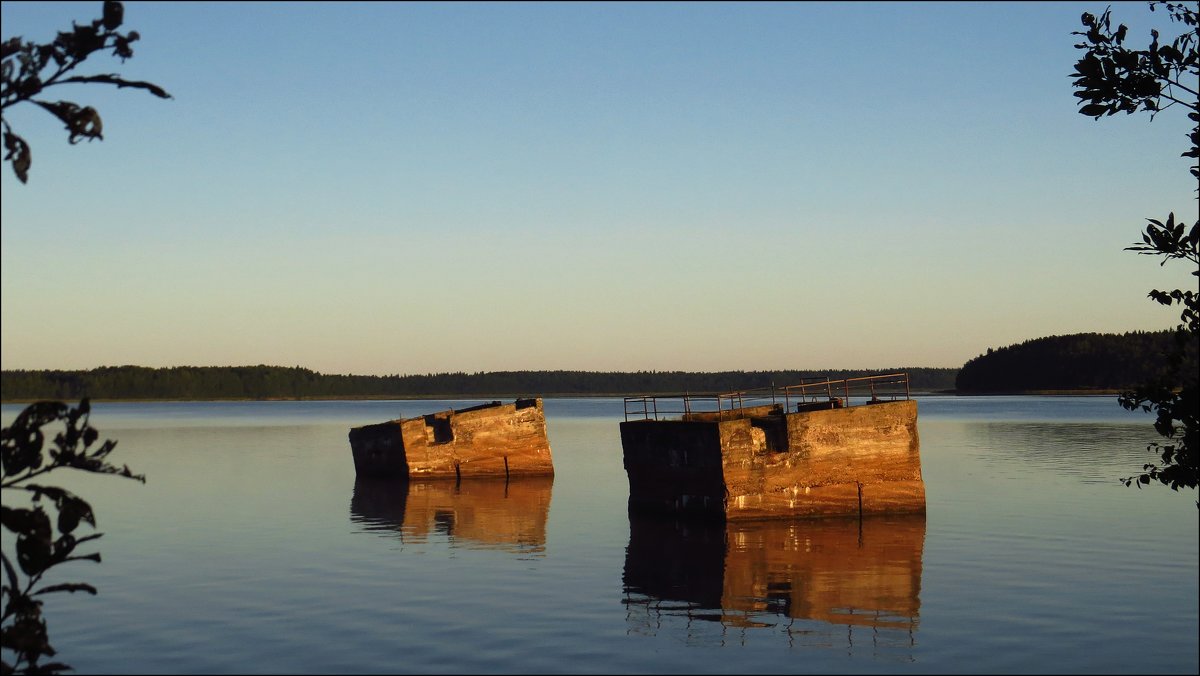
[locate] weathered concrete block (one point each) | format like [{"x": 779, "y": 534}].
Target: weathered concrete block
[
  {"x": 489, "y": 440},
  {"x": 769, "y": 463}
]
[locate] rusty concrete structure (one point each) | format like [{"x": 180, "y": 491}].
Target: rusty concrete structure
[
  {"x": 492, "y": 514},
  {"x": 827, "y": 572},
  {"x": 488, "y": 440},
  {"x": 822, "y": 448}
]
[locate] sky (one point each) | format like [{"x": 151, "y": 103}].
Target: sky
[{"x": 409, "y": 188}]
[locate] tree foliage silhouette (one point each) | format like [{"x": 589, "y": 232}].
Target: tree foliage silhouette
[
  {"x": 42, "y": 543},
  {"x": 1112, "y": 78},
  {"x": 24, "y": 456},
  {"x": 30, "y": 69}
]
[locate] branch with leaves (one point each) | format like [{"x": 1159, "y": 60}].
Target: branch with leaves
[
  {"x": 24, "y": 455},
  {"x": 1112, "y": 78},
  {"x": 29, "y": 69}
]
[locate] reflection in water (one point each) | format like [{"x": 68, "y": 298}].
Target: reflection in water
[
  {"x": 830, "y": 583},
  {"x": 477, "y": 513},
  {"x": 1073, "y": 449}
]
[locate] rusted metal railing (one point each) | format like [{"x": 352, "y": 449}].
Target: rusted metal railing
[{"x": 838, "y": 393}]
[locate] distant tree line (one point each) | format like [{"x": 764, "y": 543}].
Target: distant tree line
[
  {"x": 1081, "y": 361},
  {"x": 279, "y": 382}
]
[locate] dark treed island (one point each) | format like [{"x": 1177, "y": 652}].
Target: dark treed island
[
  {"x": 1101, "y": 362},
  {"x": 279, "y": 382}
]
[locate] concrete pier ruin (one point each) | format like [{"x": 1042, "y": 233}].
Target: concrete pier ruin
[
  {"x": 822, "y": 448},
  {"x": 488, "y": 440}
]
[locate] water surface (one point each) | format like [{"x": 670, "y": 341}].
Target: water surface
[{"x": 252, "y": 548}]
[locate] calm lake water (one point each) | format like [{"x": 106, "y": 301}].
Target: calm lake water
[{"x": 252, "y": 549}]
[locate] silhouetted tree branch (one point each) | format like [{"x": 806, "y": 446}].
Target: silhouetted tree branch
[
  {"x": 1112, "y": 78},
  {"x": 29, "y": 69},
  {"x": 41, "y": 544}
]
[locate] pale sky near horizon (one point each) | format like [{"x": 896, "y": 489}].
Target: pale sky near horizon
[{"x": 380, "y": 188}]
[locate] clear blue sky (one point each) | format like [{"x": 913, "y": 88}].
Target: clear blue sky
[{"x": 411, "y": 188}]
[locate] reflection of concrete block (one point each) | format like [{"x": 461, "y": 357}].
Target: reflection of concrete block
[
  {"x": 837, "y": 571},
  {"x": 475, "y": 513},
  {"x": 764, "y": 462},
  {"x": 491, "y": 439}
]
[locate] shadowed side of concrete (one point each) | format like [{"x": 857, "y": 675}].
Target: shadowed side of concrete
[{"x": 673, "y": 467}]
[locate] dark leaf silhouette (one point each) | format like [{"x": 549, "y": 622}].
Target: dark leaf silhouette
[
  {"x": 16, "y": 150},
  {"x": 67, "y": 587},
  {"x": 23, "y": 450},
  {"x": 31, "y": 68},
  {"x": 1111, "y": 77},
  {"x": 42, "y": 542}
]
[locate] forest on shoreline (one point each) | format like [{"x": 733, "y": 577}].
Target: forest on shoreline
[
  {"x": 198, "y": 383},
  {"x": 1082, "y": 363}
]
